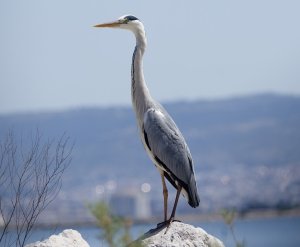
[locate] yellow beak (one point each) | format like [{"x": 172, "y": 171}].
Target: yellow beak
[{"x": 109, "y": 24}]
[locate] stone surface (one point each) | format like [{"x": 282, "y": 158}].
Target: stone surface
[
  {"x": 176, "y": 235},
  {"x": 179, "y": 235},
  {"x": 68, "y": 238}
]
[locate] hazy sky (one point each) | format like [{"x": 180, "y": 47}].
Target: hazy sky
[{"x": 52, "y": 58}]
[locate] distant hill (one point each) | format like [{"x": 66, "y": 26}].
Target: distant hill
[{"x": 237, "y": 144}]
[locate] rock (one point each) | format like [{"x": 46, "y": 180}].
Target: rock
[
  {"x": 179, "y": 235},
  {"x": 68, "y": 238}
]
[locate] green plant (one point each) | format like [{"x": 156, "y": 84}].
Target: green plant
[
  {"x": 115, "y": 229},
  {"x": 229, "y": 216}
]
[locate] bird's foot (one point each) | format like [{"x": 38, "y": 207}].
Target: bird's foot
[
  {"x": 161, "y": 224},
  {"x": 168, "y": 223}
]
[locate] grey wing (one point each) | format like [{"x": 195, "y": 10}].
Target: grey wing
[{"x": 169, "y": 150}]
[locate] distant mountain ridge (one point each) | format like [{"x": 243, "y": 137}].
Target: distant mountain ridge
[{"x": 242, "y": 134}]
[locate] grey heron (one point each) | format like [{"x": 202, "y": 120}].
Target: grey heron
[{"x": 160, "y": 136}]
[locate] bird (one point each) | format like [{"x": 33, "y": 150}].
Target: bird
[{"x": 160, "y": 136}]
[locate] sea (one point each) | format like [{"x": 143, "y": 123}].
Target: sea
[{"x": 282, "y": 231}]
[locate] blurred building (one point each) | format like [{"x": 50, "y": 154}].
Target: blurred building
[{"x": 133, "y": 204}]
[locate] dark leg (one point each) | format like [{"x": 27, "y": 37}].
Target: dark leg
[
  {"x": 174, "y": 208},
  {"x": 175, "y": 203}
]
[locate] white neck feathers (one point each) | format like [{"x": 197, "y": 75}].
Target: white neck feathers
[{"x": 141, "y": 98}]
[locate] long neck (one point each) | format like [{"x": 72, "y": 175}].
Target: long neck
[{"x": 140, "y": 95}]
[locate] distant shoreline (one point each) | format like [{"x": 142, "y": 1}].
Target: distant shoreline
[
  {"x": 254, "y": 214},
  {"x": 192, "y": 218}
]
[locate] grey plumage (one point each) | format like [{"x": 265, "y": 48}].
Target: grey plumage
[
  {"x": 170, "y": 151},
  {"x": 161, "y": 137}
]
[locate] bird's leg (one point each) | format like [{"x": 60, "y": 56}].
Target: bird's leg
[
  {"x": 175, "y": 204},
  {"x": 165, "y": 193},
  {"x": 174, "y": 208}
]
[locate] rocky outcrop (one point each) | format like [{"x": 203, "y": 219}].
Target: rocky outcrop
[
  {"x": 68, "y": 238},
  {"x": 179, "y": 234}
]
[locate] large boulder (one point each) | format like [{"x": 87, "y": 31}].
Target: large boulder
[
  {"x": 176, "y": 235},
  {"x": 179, "y": 234},
  {"x": 68, "y": 238}
]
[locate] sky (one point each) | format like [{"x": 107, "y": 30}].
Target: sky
[{"x": 51, "y": 58}]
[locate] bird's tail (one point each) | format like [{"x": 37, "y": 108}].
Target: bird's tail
[{"x": 193, "y": 196}]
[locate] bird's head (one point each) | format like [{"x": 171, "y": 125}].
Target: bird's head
[{"x": 129, "y": 22}]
